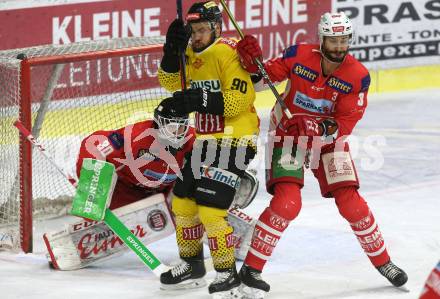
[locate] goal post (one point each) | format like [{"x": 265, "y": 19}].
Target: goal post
[{"x": 62, "y": 94}]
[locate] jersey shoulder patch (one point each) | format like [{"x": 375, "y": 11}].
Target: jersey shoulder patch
[
  {"x": 116, "y": 139},
  {"x": 290, "y": 52},
  {"x": 228, "y": 41},
  {"x": 365, "y": 82}
]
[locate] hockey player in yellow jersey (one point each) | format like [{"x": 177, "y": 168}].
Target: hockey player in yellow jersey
[{"x": 222, "y": 96}]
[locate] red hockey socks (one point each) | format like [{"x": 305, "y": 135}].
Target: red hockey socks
[
  {"x": 355, "y": 210},
  {"x": 284, "y": 207}
]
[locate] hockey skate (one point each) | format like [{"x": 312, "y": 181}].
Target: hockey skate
[
  {"x": 225, "y": 284},
  {"x": 253, "y": 286},
  {"x": 394, "y": 274},
  {"x": 186, "y": 275}
]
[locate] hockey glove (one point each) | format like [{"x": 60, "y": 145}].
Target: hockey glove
[
  {"x": 199, "y": 100},
  {"x": 309, "y": 127},
  {"x": 176, "y": 42},
  {"x": 249, "y": 50}
]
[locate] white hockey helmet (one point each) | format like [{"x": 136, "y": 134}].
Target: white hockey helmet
[
  {"x": 334, "y": 24},
  {"x": 172, "y": 127}
]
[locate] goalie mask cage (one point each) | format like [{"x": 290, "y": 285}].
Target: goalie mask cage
[{"x": 62, "y": 94}]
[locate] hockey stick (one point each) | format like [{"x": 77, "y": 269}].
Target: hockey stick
[
  {"x": 146, "y": 256},
  {"x": 182, "y": 59},
  {"x": 41, "y": 148},
  {"x": 260, "y": 65}
]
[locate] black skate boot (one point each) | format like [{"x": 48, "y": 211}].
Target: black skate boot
[
  {"x": 253, "y": 286},
  {"x": 225, "y": 284},
  {"x": 186, "y": 275},
  {"x": 394, "y": 274}
]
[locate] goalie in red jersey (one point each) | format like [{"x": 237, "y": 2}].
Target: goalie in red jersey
[
  {"x": 148, "y": 156},
  {"x": 327, "y": 94}
]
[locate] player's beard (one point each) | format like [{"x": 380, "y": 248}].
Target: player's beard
[
  {"x": 334, "y": 56},
  {"x": 199, "y": 47}
]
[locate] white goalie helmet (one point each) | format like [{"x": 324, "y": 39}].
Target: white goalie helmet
[
  {"x": 334, "y": 24},
  {"x": 172, "y": 128}
]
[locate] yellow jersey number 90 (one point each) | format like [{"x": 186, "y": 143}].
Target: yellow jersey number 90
[{"x": 240, "y": 85}]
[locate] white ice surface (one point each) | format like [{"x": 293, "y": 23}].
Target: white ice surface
[{"x": 318, "y": 255}]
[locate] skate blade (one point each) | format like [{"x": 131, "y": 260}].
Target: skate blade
[
  {"x": 233, "y": 293},
  {"x": 403, "y": 289},
  {"x": 251, "y": 293},
  {"x": 184, "y": 285}
]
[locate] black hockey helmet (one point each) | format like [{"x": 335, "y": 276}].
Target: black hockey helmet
[
  {"x": 172, "y": 127},
  {"x": 204, "y": 11}
]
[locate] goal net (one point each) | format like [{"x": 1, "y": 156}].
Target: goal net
[{"x": 62, "y": 94}]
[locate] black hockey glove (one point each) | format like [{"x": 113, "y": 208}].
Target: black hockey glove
[
  {"x": 329, "y": 127},
  {"x": 176, "y": 42},
  {"x": 200, "y": 100}
]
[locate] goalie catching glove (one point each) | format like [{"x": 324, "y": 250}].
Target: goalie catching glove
[{"x": 195, "y": 100}]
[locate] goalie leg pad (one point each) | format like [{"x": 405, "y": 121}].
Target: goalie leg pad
[{"x": 84, "y": 243}]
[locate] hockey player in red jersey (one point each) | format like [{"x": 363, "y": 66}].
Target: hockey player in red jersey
[
  {"x": 327, "y": 94},
  {"x": 147, "y": 155},
  {"x": 431, "y": 290}
]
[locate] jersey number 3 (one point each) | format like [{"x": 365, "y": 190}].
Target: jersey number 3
[{"x": 361, "y": 99}]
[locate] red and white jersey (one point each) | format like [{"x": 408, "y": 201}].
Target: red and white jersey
[
  {"x": 341, "y": 95},
  {"x": 139, "y": 158}
]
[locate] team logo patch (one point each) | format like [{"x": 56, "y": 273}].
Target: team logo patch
[
  {"x": 198, "y": 63},
  {"x": 364, "y": 223},
  {"x": 305, "y": 72},
  {"x": 338, "y": 167},
  {"x": 157, "y": 220},
  {"x": 321, "y": 106},
  {"x": 278, "y": 222},
  {"x": 340, "y": 85},
  {"x": 338, "y": 29}
]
